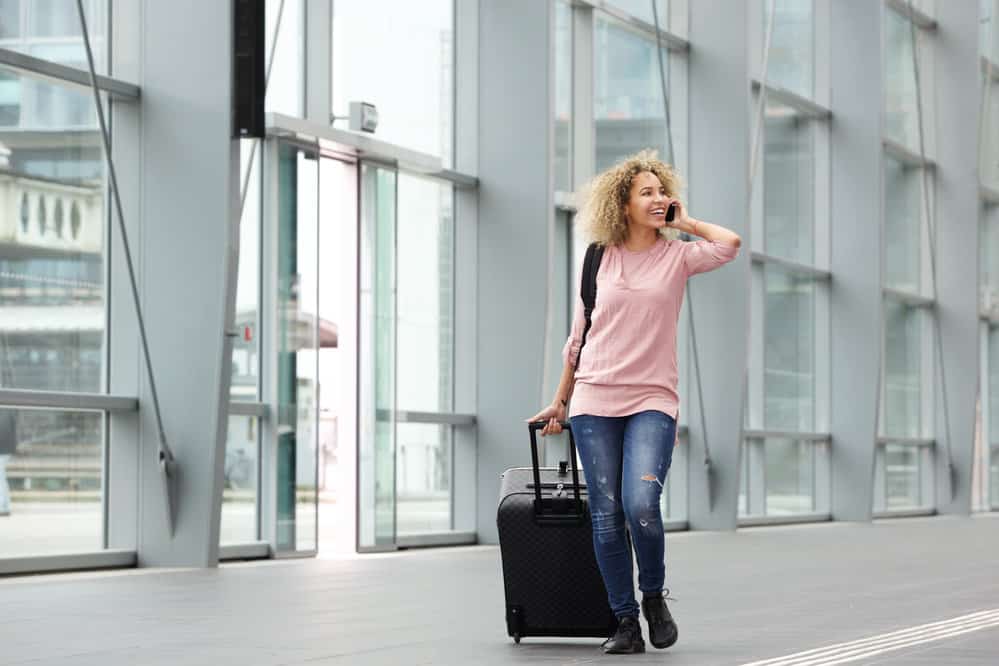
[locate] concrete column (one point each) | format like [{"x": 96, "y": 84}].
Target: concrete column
[
  {"x": 856, "y": 318},
  {"x": 717, "y": 179},
  {"x": 515, "y": 208},
  {"x": 957, "y": 104}
]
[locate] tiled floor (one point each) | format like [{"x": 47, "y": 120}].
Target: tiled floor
[{"x": 750, "y": 595}]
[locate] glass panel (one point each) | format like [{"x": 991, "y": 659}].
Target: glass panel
[
  {"x": 900, "y": 103},
  {"x": 990, "y": 157},
  {"x": 296, "y": 344},
  {"x": 744, "y": 481},
  {"x": 993, "y": 434},
  {"x": 789, "y": 351},
  {"x": 903, "y": 474},
  {"x": 376, "y": 476},
  {"x": 245, "y": 348},
  {"x": 51, "y": 256},
  {"x": 989, "y": 258},
  {"x": 791, "y": 62},
  {"x": 423, "y": 484},
  {"x": 404, "y": 66},
  {"x": 563, "y": 96},
  {"x": 239, "y": 492},
  {"x": 902, "y": 226},
  {"x": 987, "y": 29},
  {"x": 628, "y": 104},
  {"x": 338, "y": 354},
  {"x": 10, "y": 19},
  {"x": 789, "y": 184},
  {"x": 790, "y": 475},
  {"x": 51, "y": 476},
  {"x": 425, "y": 315},
  {"x": 285, "y": 85},
  {"x": 994, "y": 477},
  {"x": 903, "y": 370}
]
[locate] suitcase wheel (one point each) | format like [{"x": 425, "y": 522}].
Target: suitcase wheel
[{"x": 516, "y": 639}]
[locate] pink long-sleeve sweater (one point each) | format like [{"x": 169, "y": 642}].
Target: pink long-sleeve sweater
[{"x": 629, "y": 361}]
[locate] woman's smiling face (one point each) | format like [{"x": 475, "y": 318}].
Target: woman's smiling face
[{"x": 647, "y": 202}]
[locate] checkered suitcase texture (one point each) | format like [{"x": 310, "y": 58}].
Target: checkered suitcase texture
[{"x": 550, "y": 575}]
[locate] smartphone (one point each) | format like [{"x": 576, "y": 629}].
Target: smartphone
[{"x": 670, "y": 212}]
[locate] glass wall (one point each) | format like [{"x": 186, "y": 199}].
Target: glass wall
[
  {"x": 563, "y": 96},
  {"x": 791, "y": 64},
  {"x": 903, "y": 379},
  {"x": 785, "y": 470},
  {"x": 903, "y": 232},
  {"x": 52, "y": 283},
  {"x": 904, "y": 460},
  {"x": 399, "y": 56},
  {"x": 424, "y": 338},
  {"x": 239, "y": 479},
  {"x": 628, "y": 103},
  {"x": 789, "y": 184},
  {"x": 51, "y": 481},
  {"x": 789, "y": 351},
  {"x": 900, "y": 101}
]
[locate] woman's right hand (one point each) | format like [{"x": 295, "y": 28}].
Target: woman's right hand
[{"x": 554, "y": 414}]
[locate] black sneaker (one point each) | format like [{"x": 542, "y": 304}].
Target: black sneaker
[
  {"x": 662, "y": 628},
  {"x": 627, "y": 639}
]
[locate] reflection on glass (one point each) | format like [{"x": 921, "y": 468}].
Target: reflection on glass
[
  {"x": 10, "y": 19},
  {"x": 285, "y": 85},
  {"x": 628, "y": 104},
  {"x": 791, "y": 62},
  {"x": 900, "y": 103},
  {"x": 744, "y": 481},
  {"x": 989, "y": 253},
  {"x": 902, "y": 226},
  {"x": 993, "y": 434},
  {"x": 903, "y": 370},
  {"x": 51, "y": 475},
  {"x": 994, "y": 478},
  {"x": 425, "y": 314},
  {"x": 239, "y": 489},
  {"x": 376, "y": 475},
  {"x": 990, "y": 156},
  {"x": 423, "y": 481},
  {"x": 563, "y": 96},
  {"x": 296, "y": 339},
  {"x": 790, "y": 474},
  {"x": 52, "y": 252},
  {"x": 789, "y": 351},
  {"x": 902, "y": 474},
  {"x": 789, "y": 184},
  {"x": 398, "y": 55},
  {"x": 245, "y": 348},
  {"x": 51, "y": 30}
]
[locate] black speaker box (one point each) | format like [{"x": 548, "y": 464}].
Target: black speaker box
[{"x": 248, "y": 65}]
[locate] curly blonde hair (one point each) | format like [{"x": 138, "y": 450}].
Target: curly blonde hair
[{"x": 604, "y": 198}]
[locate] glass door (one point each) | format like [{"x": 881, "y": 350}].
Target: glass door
[
  {"x": 338, "y": 303},
  {"x": 296, "y": 344},
  {"x": 377, "y": 357}
]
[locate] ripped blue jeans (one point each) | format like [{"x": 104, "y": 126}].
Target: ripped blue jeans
[{"x": 625, "y": 461}]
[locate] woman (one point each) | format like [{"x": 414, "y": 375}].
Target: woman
[{"x": 624, "y": 390}]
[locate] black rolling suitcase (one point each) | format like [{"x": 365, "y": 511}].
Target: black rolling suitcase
[{"x": 550, "y": 575}]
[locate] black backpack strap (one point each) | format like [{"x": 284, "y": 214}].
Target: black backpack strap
[{"x": 588, "y": 288}]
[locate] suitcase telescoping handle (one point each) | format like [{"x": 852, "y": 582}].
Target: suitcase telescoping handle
[{"x": 552, "y": 514}]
